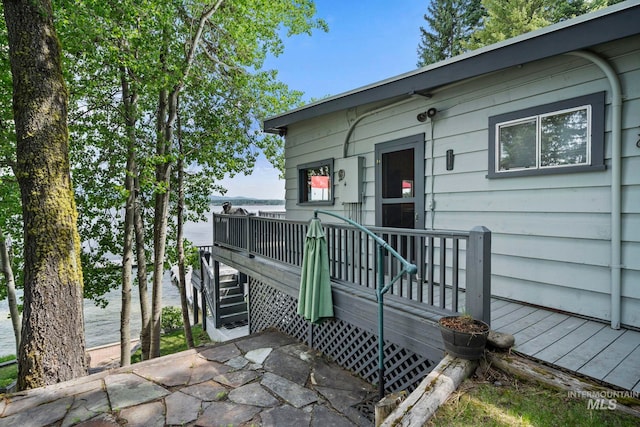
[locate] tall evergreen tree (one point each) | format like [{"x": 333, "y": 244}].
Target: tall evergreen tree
[
  {"x": 450, "y": 24},
  {"x": 509, "y": 19}
]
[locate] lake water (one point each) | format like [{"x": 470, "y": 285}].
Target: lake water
[{"x": 102, "y": 325}]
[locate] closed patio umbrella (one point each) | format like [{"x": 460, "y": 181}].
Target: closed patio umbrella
[{"x": 315, "y": 301}]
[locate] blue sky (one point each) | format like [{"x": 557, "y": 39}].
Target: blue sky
[{"x": 368, "y": 41}]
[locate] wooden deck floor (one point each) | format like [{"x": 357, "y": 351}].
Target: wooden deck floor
[{"x": 585, "y": 346}]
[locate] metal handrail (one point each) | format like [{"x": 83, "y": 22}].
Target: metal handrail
[{"x": 381, "y": 289}]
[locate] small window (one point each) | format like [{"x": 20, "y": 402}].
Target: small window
[
  {"x": 315, "y": 182},
  {"x": 566, "y": 136}
]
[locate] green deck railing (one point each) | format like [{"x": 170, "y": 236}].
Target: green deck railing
[{"x": 381, "y": 288}]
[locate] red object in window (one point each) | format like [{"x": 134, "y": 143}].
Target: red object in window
[{"x": 319, "y": 181}]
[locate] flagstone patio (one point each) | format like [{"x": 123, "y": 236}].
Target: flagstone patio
[{"x": 266, "y": 379}]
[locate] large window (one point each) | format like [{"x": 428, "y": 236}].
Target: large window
[
  {"x": 315, "y": 182},
  {"x": 566, "y": 136}
]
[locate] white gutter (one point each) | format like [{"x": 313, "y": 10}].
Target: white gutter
[{"x": 616, "y": 180}]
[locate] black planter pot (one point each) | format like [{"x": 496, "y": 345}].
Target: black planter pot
[{"x": 465, "y": 345}]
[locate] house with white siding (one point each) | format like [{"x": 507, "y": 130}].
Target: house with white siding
[{"x": 536, "y": 138}]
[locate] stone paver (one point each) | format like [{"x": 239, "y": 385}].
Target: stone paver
[
  {"x": 148, "y": 414},
  {"x": 236, "y": 379},
  {"x": 286, "y": 416},
  {"x": 182, "y": 408},
  {"x": 129, "y": 389},
  {"x": 267, "y": 379},
  {"x": 237, "y": 362},
  {"x": 226, "y": 414},
  {"x": 42, "y": 415},
  {"x": 86, "y": 406},
  {"x": 207, "y": 391},
  {"x": 222, "y": 353},
  {"x": 258, "y": 355},
  {"x": 253, "y": 394},
  {"x": 288, "y": 366},
  {"x": 293, "y": 393}
]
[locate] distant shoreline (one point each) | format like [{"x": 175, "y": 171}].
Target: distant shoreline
[{"x": 245, "y": 201}]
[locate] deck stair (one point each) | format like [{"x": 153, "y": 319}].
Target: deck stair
[{"x": 233, "y": 305}]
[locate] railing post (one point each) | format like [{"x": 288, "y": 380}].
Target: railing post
[
  {"x": 478, "y": 294},
  {"x": 216, "y": 294},
  {"x": 204, "y": 277},
  {"x": 194, "y": 291},
  {"x": 247, "y": 238}
]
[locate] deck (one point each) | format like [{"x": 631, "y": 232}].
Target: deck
[
  {"x": 270, "y": 252},
  {"x": 573, "y": 343}
]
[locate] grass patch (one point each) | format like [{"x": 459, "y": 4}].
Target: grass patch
[
  {"x": 170, "y": 343},
  {"x": 7, "y": 358},
  {"x": 494, "y": 399},
  {"x": 174, "y": 342},
  {"x": 8, "y": 374}
]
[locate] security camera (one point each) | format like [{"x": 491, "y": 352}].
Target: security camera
[
  {"x": 422, "y": 117},
  {"x": 431, "y": 112}
]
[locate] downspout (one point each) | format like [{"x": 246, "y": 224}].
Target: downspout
[
  {"x": 352, "y": 127},
  {"x": 616, "y": 181}
]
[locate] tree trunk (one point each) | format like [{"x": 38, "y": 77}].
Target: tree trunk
[
  {"x": 159, "y": 246},
  {"x": 167, "y": 115},
  {"x": 161, "y": 210},
  {"x": 129, "y": 101},
  {"x": 7, "y": 271},
  {"x": 141, "y": 259},
  {"x": 53, "y": 345},
  {"x": 182, "y": 276}
]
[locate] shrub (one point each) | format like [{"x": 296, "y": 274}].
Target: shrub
[{"x": 171, "y": 318}]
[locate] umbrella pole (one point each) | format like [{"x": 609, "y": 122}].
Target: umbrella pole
[
  {"x": 380, "y": 289},
  {"x": 380, "y": 296}
]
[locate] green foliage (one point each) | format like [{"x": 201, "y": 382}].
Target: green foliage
[
  {"x": 505, "y": 20},
  {"x": 191, "y": 255},
  {"x": 7, "y": 358},
  {"x": 171, "y": 318},
  {"x": 148, "y": 47},
  {"x": 457, "y": 26},
  {"x": 451, "y": 23},
  {"x": 174, "y": 342},
  {"x": 8, "y": 374}
]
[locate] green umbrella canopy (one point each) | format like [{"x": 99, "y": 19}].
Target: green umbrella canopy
[{"x": 315, "y": 301}]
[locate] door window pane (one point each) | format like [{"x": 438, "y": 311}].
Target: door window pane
[
  {"x": 407, "y": 188},
  {"x": 397, "y": 171},
  {"x": 398, "y": 215}
]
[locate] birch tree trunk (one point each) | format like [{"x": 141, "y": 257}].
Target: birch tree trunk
[
  {"x": 7, "y": 271},
  {"x": 182, "y": 276},
  {"x": 141, "y": 259},
  {"x": 53, "y": 345},
  {"x": 129, "y": 101}
]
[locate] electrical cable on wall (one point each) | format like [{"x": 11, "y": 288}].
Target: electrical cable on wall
[{"x": 432, "y": 206}]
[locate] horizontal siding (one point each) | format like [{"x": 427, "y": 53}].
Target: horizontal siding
[
  {"x": 576, "y": 200},
  {"x": 568, "y": 225},
  {"x": 576, "y": 277},
  {"x": 551, "y": 234},
  {"x": 585, "y": 303}
]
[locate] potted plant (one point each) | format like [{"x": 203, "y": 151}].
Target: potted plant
[{"x": 464, "y": 336}]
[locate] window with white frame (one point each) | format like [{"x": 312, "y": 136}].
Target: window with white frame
[{"x": 565, "y": 136}]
